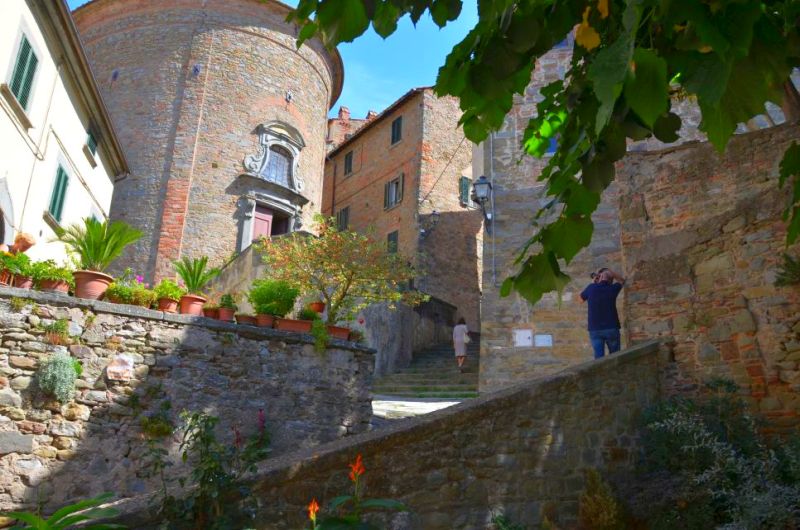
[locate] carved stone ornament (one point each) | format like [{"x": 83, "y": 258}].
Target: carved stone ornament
[{"x": 281, "y": 140}]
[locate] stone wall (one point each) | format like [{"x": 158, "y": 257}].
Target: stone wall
[
  {"x": 521, "y": 451},
  {"x": 702, "y": 240},
  {"x": 395, "y": 334},
  {"x": 52, "y": 453},
  {"x": 187, "y": 83}
]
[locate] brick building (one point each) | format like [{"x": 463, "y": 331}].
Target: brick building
[
  {"x": 342, "y": 127},
  {"x": 222, "y": 119},
  {"x": 405, "y": 175}
]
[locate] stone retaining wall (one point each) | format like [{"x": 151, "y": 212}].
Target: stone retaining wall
[
  {"x": 521, "y": 451},
  {"x": 51, "y": 453}
]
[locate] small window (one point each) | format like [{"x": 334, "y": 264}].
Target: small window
[
  {"x": 91, "y": 142},
  {"x": 464, "y": 185},
  {"x": 24, "y": 70},
  {"x": 278, "y": 168},
  {"x": 343, "y": 218},
  {"x": 59, "y": 193},
  {"x": 348, "y": 163},
  {"x": 393, "y": 192},
  {"x": 397, "y": 130},
  {"x": 391, "y": 242}
]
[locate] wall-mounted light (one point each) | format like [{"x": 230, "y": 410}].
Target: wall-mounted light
[
  {"x": 429, "y": 223},
  {"x": 289, "y": 96},
  {"x": 196, "y": 69},
  {"x": 482, "y": 194}
]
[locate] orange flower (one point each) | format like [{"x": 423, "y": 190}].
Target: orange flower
[
  {"x": 602, "y": 7},
  {"x": 586, "y": 35},
  {"x": 313, "y": 508},
  {"x": 356, "y": 468}
]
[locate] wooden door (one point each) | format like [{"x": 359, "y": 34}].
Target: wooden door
[{"x": 262, "y": 222}]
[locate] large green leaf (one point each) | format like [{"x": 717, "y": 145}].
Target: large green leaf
[
  {"x": 568, "y": 235},
  {"x": 385, "y": 20},
  {"x": 538, "y": 275},
  {"x": 342, "y": 20},
  {"x": 607, "y": 74},
  {"x": 646, "y": 88}
]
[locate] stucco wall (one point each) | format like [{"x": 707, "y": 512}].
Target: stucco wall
[
  {"x": 521, "y": 451},
  {"x": 31, "y": 157},
  {"x": 702, "y": 240},
  {"x": 52, "y": 453},
  {"x": 187, "y": 83}
]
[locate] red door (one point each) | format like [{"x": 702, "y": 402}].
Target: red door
[{"x": 262, "y": 222}]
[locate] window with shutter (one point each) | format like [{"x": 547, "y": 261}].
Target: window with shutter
[
  {"x": 391, "y": 242},
  {"x": 59, "y": 193},
  {"x": 24, "y": 70},
  {"x": 91, "y": 142},
  {"x": 463, "y": 191},
  {"x": 393, "y": 191},
  {"x": 348, "y": 163},
  {"x": 343, "y": 218},
  {"x": 397, "y": 130}
]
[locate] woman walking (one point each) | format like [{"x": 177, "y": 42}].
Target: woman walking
[{"x": 460, "y": 340}]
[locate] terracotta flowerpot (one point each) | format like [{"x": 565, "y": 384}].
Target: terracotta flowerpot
[
  {"x": 212, "y": 312},
  {"x": 23, "y": 282},
  {"x": 192, "y": 304},
  {"x": 249, "y": 320},
  {"x": 265, "y": 321},
  {"x": 91, "y": 284},
  {"x": 5, "y": 277},
  {"x": 54, "y": 286},
  {"x": 317, "y": 307},
  {"x": 168, "y": 305},
  {"x": 335, "y": 332},
  {"x": 226, "y": 314},
  {"x": 289, "y": 324}
]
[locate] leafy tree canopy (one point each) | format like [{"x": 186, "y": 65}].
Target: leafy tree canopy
[{"x": 629, "y": 58}]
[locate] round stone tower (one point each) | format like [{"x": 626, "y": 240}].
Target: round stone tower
[{"x": 222, "y": 118}]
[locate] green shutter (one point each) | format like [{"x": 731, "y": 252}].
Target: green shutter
[
  {"x": 463, "y": 190},
  {"x": 59, "y": 193},
  {"x": 400, "y": 185},
  {"x": 24, "y": 70},
  {"x": 386, "y": 195},
  {"x": 91, "y": 142}
]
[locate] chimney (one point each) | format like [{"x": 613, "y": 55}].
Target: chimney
[
  {"x": 344, "y": 114},
  {"x": 371, "y": 114}
]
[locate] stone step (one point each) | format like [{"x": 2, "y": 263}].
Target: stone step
[
  {"x": 471, "y": 378},
  {"x": 411, "y": 389},
  {"x": 451, "y": 395}
]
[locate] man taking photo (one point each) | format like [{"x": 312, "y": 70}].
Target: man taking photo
[{"x": 601, "y": 296}]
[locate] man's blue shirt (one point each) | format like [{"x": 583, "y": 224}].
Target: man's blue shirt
[{"x": 602, "y": 300}]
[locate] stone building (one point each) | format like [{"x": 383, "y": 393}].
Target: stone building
[
  {"x": 342, "y": 127},
  {"x": 60, "y": 154},
  {"x": 649, "y": 200},
  {"x": 222, "y": 118},
  {"x": 405, "y": 176}
]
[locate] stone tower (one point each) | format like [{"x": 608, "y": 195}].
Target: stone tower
[{"x": 222, "y": 118}]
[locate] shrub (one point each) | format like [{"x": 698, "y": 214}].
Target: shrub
[
  {"x": 167, "y": 288},
  {"x": 597, "y": 508},
  {"x": 130, "y": 289},
  {"x": 158, "y": 425},
  {"x": 195, "y": 273},
  {"x": 308, "y": 314},
  {"x": 19, "y": 264},
  {"x": 98, "y": 244},
  {"x": 272, "y": 297},
  {"x": 320, "y": 333},
  {"x": 58, "y": 332},
  {"x": 227, "y": 301},
  {"x": 48, "y": 270},
  {"x": 57, "y": 377}
]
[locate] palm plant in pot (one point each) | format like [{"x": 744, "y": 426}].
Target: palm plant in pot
[
  {"x": 96, "y": 245},
  {"x": 270, "y": 299},
  {"x": 195, "y": 275},
  {"x": 168, "y": 294}
]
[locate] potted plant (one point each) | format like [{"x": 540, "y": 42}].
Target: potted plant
[
  {"x": 49, "y": 276},
  {"x": 303, "y": 324},
  {"x": 97, "y": 245},
  {"x": 21, "y": 269},
  {"x": 5, "y": 274},
  {"x": 130, "y": 289},
  {"x": 317, "y": 307},
  {"x": 168, "y": 293},
  {"x": 195, "y": 275},
  {"x": 211, "y": 310},
  {"x": 242, "y": 318},
  {"x": 227, "y": 307},
  {"x": 270, "y": 299}
]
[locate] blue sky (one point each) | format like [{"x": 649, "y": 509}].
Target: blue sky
[{"x": 378, "y": 71}]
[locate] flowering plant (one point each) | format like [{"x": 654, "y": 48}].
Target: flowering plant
[
  {"x": 350, "y": 507},
  {"x": 48, "y": 270},
  {"x": 130, "y": 289},
  {"x": 347, "y": 270}
]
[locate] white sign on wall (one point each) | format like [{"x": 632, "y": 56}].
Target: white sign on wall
[
  {"x": 523, "y": 338},
  {"x": 543, "y": 341}
]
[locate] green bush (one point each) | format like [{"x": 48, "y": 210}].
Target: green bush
[
  {"x": 320, "y": 333},
  {"x": 272, "y": 297},
  {"x": 98, "y": 244},
  {"x": 57, "y": 377},
  {"x": 167, "y": 288},
  {"x": 48, "y": 270},
  {"x": 19, "y": 264},
  {"x": 308, "y": 314},
  {"x": 227, "y": 301}
]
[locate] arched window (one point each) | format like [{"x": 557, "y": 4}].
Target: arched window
[{"x": 278, "y": 168}]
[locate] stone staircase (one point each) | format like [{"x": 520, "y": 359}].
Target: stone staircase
[{"x": 433, "y": 374}]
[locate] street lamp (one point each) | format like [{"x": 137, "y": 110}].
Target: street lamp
[{"x": 482, "y": 194}]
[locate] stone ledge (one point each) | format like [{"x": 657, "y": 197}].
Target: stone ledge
[{"x": 251, "y": 332}]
